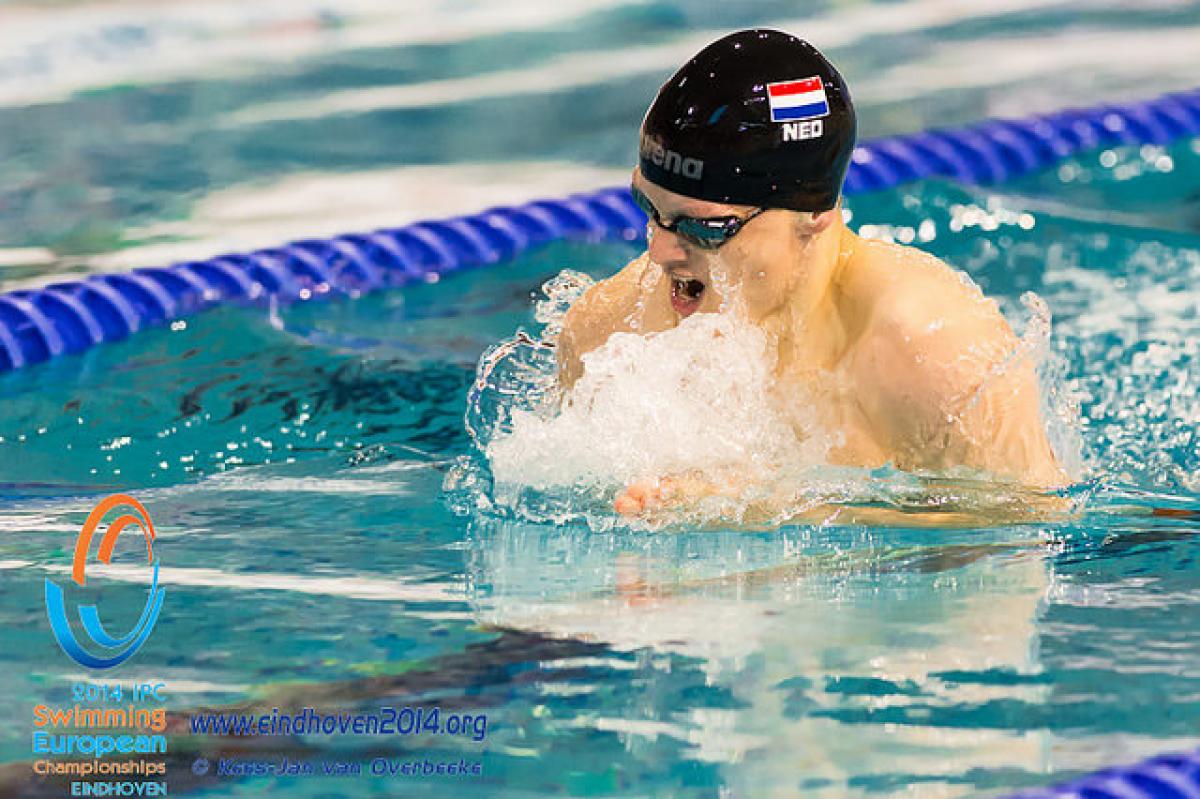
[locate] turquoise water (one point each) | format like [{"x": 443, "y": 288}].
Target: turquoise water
[{"x": 293, "y": 461}]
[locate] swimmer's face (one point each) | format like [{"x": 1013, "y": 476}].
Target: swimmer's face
[{"x": 756, "y": 267}]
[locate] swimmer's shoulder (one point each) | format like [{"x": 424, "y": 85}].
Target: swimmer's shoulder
[
  {"x": 938, "y": 356},
  {"x": 901, "y": 291},
  {"x": 609, "y": 300},
  {"x": 928, "y": 334},
  {"x": 605, "y": 308}
]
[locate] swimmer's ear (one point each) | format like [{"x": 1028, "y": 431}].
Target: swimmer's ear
[{"x": 810, "y": 223}]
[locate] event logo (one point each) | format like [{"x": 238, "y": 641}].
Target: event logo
[{"x": 115, "y": 650}]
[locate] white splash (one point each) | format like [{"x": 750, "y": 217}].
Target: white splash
[{"x": 693, "y": 398}]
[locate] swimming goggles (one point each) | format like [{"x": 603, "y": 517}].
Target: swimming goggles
[{"x": 708, "y": 233}]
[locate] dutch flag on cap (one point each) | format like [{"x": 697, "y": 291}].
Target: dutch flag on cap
[{"x": 793, "y": 100}]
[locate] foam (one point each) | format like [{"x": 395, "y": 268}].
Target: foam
[{"x": 691, "y": 398}]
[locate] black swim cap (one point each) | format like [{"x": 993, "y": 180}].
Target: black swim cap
[{"x": 756, "y": 118}]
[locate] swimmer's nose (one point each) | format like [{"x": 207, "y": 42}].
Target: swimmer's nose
[{"x": 665, "y": 247}]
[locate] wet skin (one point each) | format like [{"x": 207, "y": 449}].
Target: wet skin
[{"x": 895, "y": 351}]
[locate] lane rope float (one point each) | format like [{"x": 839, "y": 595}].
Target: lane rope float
[{"x": 69, "y": 317}]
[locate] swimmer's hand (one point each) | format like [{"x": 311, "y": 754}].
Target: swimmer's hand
[
  {"x": 646, "y": 496},
  {"x": 728, "y": 496},
  {"x": 651, "y": 497}
]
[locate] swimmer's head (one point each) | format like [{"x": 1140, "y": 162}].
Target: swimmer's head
[
  {"x": 742, "y": 158},
  {"x": 758, "y": 118}
]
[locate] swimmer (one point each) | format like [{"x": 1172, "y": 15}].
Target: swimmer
[{"x": 742, "y": 157}]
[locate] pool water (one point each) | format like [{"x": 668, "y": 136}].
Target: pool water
[{"x": 294, "y": 462}]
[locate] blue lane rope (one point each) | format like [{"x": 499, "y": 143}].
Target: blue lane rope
[
  {"x": 64, "y": 318},
  {"x": 1162, "y": 777}
]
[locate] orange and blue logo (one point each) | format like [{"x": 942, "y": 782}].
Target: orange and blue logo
[{"x": 113, "y": 650}]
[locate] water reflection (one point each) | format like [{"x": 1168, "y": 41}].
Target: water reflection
[{"x": 827, "y": 644}]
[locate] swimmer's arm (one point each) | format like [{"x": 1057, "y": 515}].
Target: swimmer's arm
[
  {"x": 957, "y": 390},
  {"x": 670, "y": 499}
]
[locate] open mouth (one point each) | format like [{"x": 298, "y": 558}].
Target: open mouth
[{"x": 686, "y": 293}]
